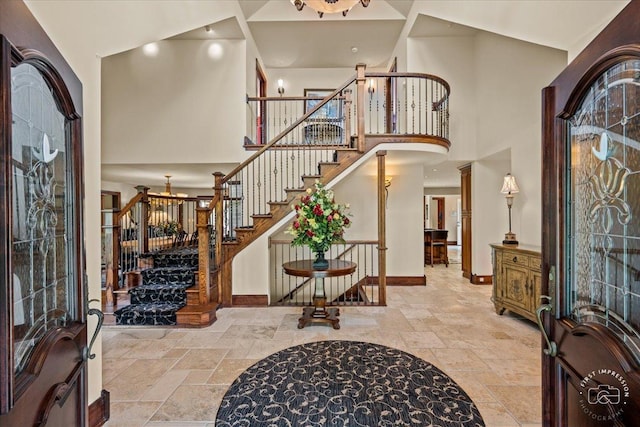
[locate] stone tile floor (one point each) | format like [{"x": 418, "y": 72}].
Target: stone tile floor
[{"x": 169, "y": 377}]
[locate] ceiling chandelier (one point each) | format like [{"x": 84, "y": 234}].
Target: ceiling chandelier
[
  {"x": 167, "y": 189},
  {"x": 329, "y": 6}
]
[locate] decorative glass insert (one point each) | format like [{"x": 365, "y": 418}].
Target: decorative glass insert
[
  {"x": 603, "y": 205},
  {"x": 41, "y": 214}
]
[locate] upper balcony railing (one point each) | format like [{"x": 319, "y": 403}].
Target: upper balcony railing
[{"x": 396, "y": 105}]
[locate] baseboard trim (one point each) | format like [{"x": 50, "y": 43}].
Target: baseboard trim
[
  {"x": 400, "y": 280},
  {"x": 250, "y": 300},
  {"x": 99, "y": 412},
  {"x": 481, "y": 280}
]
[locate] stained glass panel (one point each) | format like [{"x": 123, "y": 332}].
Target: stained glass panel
[
  {"x": 604, "y": 205},
  {"x": 41, "y": 213}
]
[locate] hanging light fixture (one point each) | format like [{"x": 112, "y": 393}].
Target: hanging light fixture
[
  {"x": 167, "y": 190},
  {"x": 329, "y": 6}
]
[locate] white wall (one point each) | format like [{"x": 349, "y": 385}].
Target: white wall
[
  {"x": 489, "y": 216},
  {"x": 495, "y": 105},
  {"x": 189, "y": 97},
  {"x": 296, "y": 80},
  {"x": 451, "y": 58},
  {"x": 510, "y": 75},
  {"x": 405, "y": 255},
  {"x": 403, "y": 213}
]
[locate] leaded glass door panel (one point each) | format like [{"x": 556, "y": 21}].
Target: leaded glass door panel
[
  {"x": 43, "y": 356},
  {"x": 591, "y": 234}
]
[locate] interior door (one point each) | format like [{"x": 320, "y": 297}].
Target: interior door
[
  {"x": 439, "y": 201},
  {"x": 43, "y": 350},
  {"x": 591, "y": 234},
  {"x": 465, "y": 219}
]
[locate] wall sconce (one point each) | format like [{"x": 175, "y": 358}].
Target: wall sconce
[
  {"x": 371, "y": 88},
  {"x": 281, "y": 87},
  {"x": 387, "y": 184},
  {"x": 509, "y": 188}
]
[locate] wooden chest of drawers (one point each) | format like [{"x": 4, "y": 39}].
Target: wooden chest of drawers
[{"x": 517, "y": 278}]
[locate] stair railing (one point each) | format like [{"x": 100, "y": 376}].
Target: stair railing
[
  {"x": 147, "y": 223},
  {"x": 360, "y": 288},
  {"x": 383, "y": 104}
]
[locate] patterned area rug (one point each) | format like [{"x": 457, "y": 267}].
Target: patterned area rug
[{"x": 345, "y": 383}]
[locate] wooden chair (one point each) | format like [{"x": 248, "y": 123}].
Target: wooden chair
[{"x": 435, "y": 242}]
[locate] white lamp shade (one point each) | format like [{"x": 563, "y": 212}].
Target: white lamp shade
[{"x": 509, "y": 186}]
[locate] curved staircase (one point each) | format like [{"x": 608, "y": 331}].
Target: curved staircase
[
  {"x": 164, "y": 289},
  {"x": 257, "y": 194}
]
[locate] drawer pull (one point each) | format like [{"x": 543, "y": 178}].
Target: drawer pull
[{"x": 515, "y": 259}]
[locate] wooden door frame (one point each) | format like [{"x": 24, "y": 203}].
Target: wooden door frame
[
  {"x": 440, "y": 214},
  {"x": 261, "y": 92},
  {"x": 465, "y": 220},
  {"x": 560, "y": 100}
]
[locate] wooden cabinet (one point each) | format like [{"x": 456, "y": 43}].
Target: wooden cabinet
[{"x": 517, "y": 278}]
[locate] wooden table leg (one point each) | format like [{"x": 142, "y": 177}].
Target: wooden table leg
[{"x": 318, "y": 312}]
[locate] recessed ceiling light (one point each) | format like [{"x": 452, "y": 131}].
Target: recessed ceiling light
[
  {"x": 434, "y": 169},
  {"x": 354, "y": 49},
  {"x": 150, "y": 49}
]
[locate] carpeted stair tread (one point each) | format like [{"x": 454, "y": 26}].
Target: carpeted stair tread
[
  {"x": 163, "y": 289},
  {"x": 168, "y": 275},
  {"x": 174, "y": 293},
  {"x": 187, "y": 257},
  {"x": 147, "y": 314}
]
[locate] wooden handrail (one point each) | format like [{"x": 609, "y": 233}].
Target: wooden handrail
[
  {"x": 135, "y": 199},
  {"x": 282, "y": 134},
  {"x": 291, "y": 98},
  {"x": 436, "y": 104}
]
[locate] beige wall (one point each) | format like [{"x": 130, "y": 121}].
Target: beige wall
[
  {"x": 358, "y": 189},
  {"x": 495, "y": 106},
  {"x": 298, "y": 79},
  {"x": 451, "y": 58},
  {"x": 186, "y": 100},
  {"x": 510, "y": 75}
]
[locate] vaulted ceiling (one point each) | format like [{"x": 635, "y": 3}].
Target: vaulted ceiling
[{"x": 288, "y": 38}]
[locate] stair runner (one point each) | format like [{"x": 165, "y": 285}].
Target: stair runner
[{"x": 163, "y": 289}]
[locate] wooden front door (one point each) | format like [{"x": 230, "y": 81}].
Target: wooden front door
[
  {"x": 43, "y": 334},
  {"x": 591, "y": 233}
]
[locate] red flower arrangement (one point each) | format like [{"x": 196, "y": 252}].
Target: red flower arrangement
[{"x": 319, "y": 221}]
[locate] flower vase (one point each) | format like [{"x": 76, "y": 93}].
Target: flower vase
[{"x": 320, "y": 263}]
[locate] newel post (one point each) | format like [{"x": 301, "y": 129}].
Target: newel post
[
  {"x": 360, "y": 102},
  {"x": 382, "y": 229},
  {"x": 143, "y": 229},
  {"x": 223, "y": 292},
  {"x": 202, "y": 225},
  {"x": 113, "y": 257}
]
